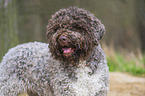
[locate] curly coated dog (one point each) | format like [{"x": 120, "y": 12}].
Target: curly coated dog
[{"x": 72, "y": 64}]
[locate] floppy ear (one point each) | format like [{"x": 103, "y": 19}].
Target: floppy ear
[{"x": 99, "y": 33}]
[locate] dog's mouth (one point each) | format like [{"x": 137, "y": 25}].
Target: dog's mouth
[{"x": 68, "y": 51}]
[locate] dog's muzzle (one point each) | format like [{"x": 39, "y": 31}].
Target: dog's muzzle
[{"x": 66, "y": 46}]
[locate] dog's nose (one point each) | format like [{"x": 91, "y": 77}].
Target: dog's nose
[{"x": 63, "y": 39}]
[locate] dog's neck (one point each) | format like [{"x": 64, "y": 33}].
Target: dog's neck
[
  {"x": 82, "y": 63},
  {"x": 70, "y": 67},
  {"x": 77, "y": 64}
]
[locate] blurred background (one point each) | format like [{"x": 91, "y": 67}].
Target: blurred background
[{"x": 24, "y": 21}]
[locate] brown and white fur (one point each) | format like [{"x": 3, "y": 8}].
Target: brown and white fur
[{"x": 72, "y": 64}]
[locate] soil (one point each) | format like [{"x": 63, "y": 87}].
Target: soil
[{"x": 122, "y": 84}]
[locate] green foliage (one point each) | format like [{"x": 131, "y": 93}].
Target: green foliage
[{"x": 132, "y": 65}]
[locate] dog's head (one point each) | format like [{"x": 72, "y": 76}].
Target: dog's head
[{"x": 73, "y": 33}]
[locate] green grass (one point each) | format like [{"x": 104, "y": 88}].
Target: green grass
[
  {"x": 120, "y": 63},
  {"x": 124, "y": 61}
]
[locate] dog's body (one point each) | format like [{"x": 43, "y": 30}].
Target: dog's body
[
  {"x": 30, "y": 67},
  {"x": 73, "y": 65}
]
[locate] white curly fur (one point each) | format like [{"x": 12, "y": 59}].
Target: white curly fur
[{"x": 30, "y": 67}]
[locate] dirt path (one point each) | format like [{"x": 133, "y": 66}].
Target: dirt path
[{"x": 122, "y": 84}]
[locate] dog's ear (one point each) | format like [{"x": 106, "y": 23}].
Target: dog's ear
[{"x": 99, "y": 34}]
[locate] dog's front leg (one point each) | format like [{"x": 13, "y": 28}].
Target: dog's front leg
[{"x": 98, "y": 65}]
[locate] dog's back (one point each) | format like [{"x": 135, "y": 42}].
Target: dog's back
[{"x": 23, "y": 67}]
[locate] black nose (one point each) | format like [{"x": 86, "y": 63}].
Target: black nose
[{"x": 62, "y": 39}]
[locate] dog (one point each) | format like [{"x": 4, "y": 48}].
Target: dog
[{"x": 71, "y": 64}]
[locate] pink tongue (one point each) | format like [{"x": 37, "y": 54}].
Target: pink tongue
[{"x": 67, "y": 50}]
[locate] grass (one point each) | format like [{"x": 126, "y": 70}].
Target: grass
[{"x": 124, "y": 61}]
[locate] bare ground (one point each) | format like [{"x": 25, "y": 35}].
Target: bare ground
[{"x": 122, "y": 84}]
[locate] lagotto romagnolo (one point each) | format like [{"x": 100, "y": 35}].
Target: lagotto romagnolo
[{"x": 71, "y": 64}]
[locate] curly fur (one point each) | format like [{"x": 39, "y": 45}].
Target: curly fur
[
  {"x": 41, "y": 71},
  {"x": 75, "y": 21}
]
